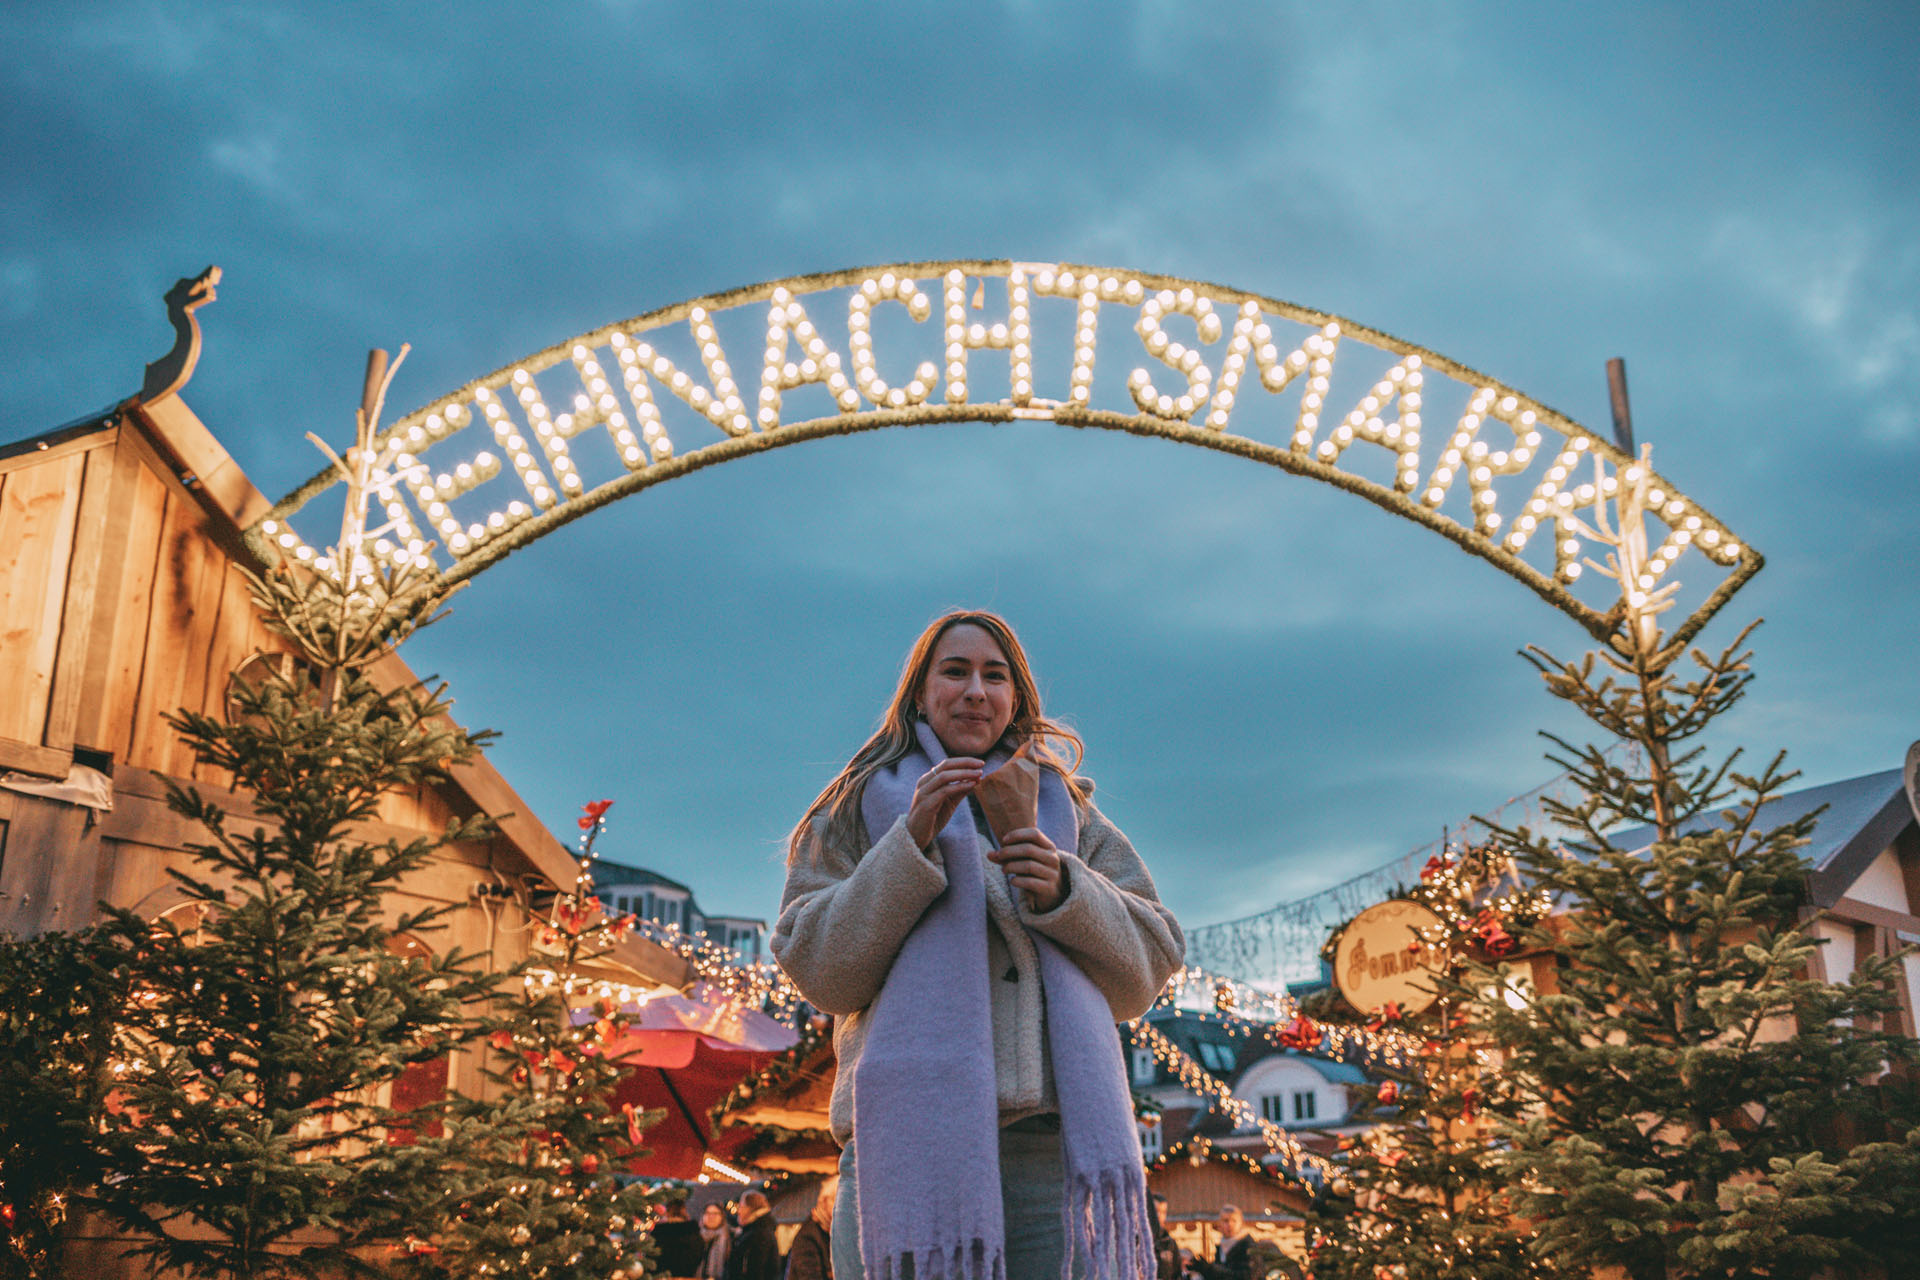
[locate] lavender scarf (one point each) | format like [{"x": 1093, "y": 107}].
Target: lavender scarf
[{"x": 925, "y": 1106}]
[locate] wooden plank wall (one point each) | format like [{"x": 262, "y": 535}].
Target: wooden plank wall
[
  {"x": 39, "y": 509},
  {"x": 121, "y": 600},
  {"x": 101, "y": 537}
]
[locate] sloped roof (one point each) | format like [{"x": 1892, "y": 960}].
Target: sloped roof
[
  {"x": 607, "y": 875},
  {"x": 1863, "y": 816}
]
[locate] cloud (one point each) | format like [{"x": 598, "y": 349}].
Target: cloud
[
  {"x": 255, "y": 160},
  {"x": 1845, "y": 283}
]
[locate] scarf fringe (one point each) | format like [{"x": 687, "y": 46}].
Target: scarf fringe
[
  {"x": 1108, "y": 1227},
  {"x": 976, "y": 1259}
]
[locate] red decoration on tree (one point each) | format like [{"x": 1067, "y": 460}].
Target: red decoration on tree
[
  {"x": 592, "y": 812},
  {"x": 1469, "y": 1104},
  {"x": 1436, "y": 865},
  {"x": 1389, "y": 1093},
  {"x": 1389, "y": 1012},
  {"x": 1302, "y": 1033},
  {"x": 1491, "y": 933}
]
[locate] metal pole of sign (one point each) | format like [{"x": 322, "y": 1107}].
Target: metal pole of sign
[{"x": 1622, "y": 411}]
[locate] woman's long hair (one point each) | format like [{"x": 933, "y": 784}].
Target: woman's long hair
[{"x": 895, "y": 739}]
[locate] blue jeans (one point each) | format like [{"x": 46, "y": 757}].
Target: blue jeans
[{"x": 1032, "y": 1194}]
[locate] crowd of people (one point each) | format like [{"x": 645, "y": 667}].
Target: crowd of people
[
  {"x": 716, "y": 1249},
  {"x": 746, "y": 1247}
]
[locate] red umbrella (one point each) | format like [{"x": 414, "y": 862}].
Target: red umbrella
[{"x": 686, "y": 1055}]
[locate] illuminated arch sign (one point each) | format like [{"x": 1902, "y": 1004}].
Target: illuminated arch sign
[{"x": 488, "y": 469}]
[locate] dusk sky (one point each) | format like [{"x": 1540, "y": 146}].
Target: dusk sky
[{"x": 1280, "y": 685}]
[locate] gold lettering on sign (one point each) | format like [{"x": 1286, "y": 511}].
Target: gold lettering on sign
[{"x": 1385, "y": 955}]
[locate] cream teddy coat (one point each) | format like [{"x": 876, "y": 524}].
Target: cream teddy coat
[{"x": 845, "y": 913}]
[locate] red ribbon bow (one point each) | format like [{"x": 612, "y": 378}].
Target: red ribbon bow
[{"x": 1301, "y": 1033}]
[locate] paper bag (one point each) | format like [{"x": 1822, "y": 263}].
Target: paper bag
[{"x": 1010, "y": 795}]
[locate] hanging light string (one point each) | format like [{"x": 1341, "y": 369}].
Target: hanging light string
[
  {"x": 1296, "y": 1161},
  {"x": 1282, "y": 942}
]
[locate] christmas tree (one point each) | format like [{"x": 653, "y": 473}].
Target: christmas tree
[
  {"x": 1680, "y": 1105},
  {"x": 538, "y": 1189},
  {"x": 63, "y": 1000},
  {"x": 1417, "y": 1197},
  {"x": 269, "y": 1029},
  {"x": 275, "y": 1008}
]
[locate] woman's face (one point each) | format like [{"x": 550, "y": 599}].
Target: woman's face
[
  {"x": 710, "y": 1217},
  {"x": 967, "y": 696}
]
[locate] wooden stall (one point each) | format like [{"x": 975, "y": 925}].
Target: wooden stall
[{"x": 121, "y": 600}]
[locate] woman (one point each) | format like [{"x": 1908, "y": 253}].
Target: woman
[
  {"x": 980, "y": 1100},
  {"x": 718, "y": 1238}
]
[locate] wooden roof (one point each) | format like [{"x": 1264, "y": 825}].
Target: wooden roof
[{"x": 122, "y": 599}]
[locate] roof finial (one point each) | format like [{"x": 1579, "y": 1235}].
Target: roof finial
[{"x": 170, "y": 372}]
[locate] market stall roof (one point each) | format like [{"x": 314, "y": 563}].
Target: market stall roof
[
  {"x": 1863, "y": 816},
  {"x": 685, "y": 1054}
]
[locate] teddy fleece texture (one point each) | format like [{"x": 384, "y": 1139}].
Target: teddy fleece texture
[{"x": 847, "y": 909}]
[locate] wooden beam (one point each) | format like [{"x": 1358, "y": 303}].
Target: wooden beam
[
  {"x": 1858, "y": 912},
  {"x": 50, "y": 854},
  {"x": 95, "y": 725},
  {"x": 83, "y": 581},
  {"x": 24, "y": 454},
  {"x": 31, "y": 757},
  {"x": 200, "y": 461}
]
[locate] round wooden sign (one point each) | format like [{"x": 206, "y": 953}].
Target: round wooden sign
[{"x": 1384, "y": 959}]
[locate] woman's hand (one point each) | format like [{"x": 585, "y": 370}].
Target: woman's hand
[
  {"x": 938, "y": 793},
  {"x": 1034, "y": 865}
]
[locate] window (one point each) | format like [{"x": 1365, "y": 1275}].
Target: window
[
  {"x": 1150, "y": 1139},
  {"x": 1215, "y": 1057},
  {"x": 623, "y": 904},
  {"x": 1303, "y": 1104},
  {"x": 1143, "y": 1068},
  {"x": 1273, "y": 1108}
]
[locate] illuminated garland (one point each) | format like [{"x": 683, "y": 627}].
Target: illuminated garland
[
  {"x": 1284, "y": 942},
  {"x": 1497, "y": 473},
  {"x": 1476, "y": 892},
  {"x": 1300, "y": 1164},
  {"x": 1200, "y": 1149},
  {"x": 1244, "y": 1011}
]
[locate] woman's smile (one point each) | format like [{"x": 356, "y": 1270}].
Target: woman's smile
[{"x": 967, "y": 697}]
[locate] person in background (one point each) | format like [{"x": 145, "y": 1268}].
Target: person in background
[
  {"x": 1166, "y": 1254},
  {"x": 756, "y": 1249},
  {"x": 1233, "y": 1256},
  {"x": 1240, "y": 1256},
  {"x": 810, "y": 1256},
  {"x": 719, "y": 1243},
  {"x": 677, "y": 1240}
]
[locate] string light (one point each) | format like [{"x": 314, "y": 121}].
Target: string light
[{"x": 1537, "y": 451}]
